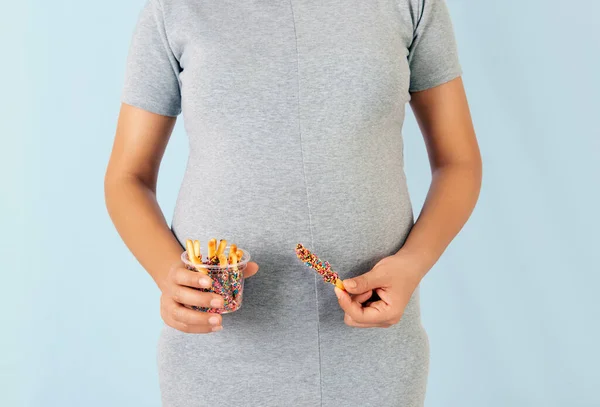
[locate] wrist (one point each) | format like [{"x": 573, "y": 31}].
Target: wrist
[
  {"x": 162, "y": 279},
  {"x": 421, "y": 260}
]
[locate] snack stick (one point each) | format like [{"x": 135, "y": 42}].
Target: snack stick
[
  {"x": 321, "y": 267},
  {"x": 233, "y": 260},
  {"x": 222, "y": 260},
  {"x": 197, "y": 249},
  {"x": 212, "y": 248},
  {"x": 232, "y": 250},
  {"x": 189, "y": 245},
  {"x": 221, "y": 248},
  {"x": 235, "y": 276},
  {"x": 239, "y": 253}
]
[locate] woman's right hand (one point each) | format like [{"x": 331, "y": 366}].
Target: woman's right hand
[{"x": 179, "y": 293}]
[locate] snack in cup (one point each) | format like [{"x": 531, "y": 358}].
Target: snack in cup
[
  {"x": 212, "y": 248},
  {"x": 232, "y": 251},
  {"x": 221, "y": 248},
  {"x": 323, "y": 268},
  {"x": 224, "y": 267},
  {"x": 197, "y": 249}
]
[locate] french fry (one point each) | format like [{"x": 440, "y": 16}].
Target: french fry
[
  {"x": 197, "y": 250},
  {"x": 212, "y": 248},
  {"x": 221, "y": 248}
]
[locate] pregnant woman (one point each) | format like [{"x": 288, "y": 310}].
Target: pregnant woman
[{"x": 294, "y": 113}]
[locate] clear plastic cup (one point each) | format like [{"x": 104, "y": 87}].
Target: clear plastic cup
[{"x": 227, "y": 281}]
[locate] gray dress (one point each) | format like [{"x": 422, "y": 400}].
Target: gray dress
[{"x": 294, "y": 112}]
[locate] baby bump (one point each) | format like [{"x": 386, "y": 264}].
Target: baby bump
[{"x": 353, "y": 226}]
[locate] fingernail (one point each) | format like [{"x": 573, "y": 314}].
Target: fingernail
[
  {"x": 349, "y": 283},
  {"x": 217, "y": 328},
  {"x": 216, "y": 303},
  {"x": 204, "y": 283},
  {"x": 213, "y": 320}
]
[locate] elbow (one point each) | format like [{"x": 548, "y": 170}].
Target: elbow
[
  {"x": 477, "y": 169},
  {"x": 468, "y": 171},
  {"x": 109, "y": 190},
  {"x": 472, "y": 165},
  {"x": 119, "y": 187},
  {"x": 114, "y": 184}
]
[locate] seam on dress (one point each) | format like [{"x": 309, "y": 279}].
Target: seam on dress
[
  {"x": 312, "y": 239},
  {"x": 421, "y": 4}
]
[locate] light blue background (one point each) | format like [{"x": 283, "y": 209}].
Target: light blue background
[{"x": 511, "y": 309}]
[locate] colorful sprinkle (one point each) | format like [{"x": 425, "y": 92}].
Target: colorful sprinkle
[
  {"x": 226, "y": 282},
  {"x": 323, "y": 268}
]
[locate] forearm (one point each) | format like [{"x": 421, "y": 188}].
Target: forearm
[
  {"x": 135, "y": 212},
  {"x": 450, "y": 201}
]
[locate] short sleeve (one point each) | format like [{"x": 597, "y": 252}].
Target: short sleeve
[
  {"x": 433, "y": 55},
  {"x": 152, "y": 70}
]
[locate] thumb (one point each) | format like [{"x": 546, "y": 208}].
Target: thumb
[
  {"x": 251, "y": 269},
  {"x": 369, "y": 281}
]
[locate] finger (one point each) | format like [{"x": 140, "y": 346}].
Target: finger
[
  {"x": 251, "y": 269},
  {"x": 380, "y": 306},
  {"x": 360, "y": 314},
  {"x": 361, "y": 298},
  {"x": 350, "y": 322},
  {"x": 384, "y": 303},
  {"x": 192, "y": 329},
  {"x": 189, "y": 278},
  {"x": 384, "y": 296},
  {"x": 167, "y": 314},
  {"x": 189, "y": 296},
  {"x": 188, "y": 316},
  {"x": 371, "y": 280}
]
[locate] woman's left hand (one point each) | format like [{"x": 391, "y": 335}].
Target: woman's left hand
[{"x": 393, "y": 279}]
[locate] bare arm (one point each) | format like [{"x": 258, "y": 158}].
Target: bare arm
[
  {"x": 130, "y": 189},
  {"x": 443, "y": 116},
  {"x": 445, "y": 122}
]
